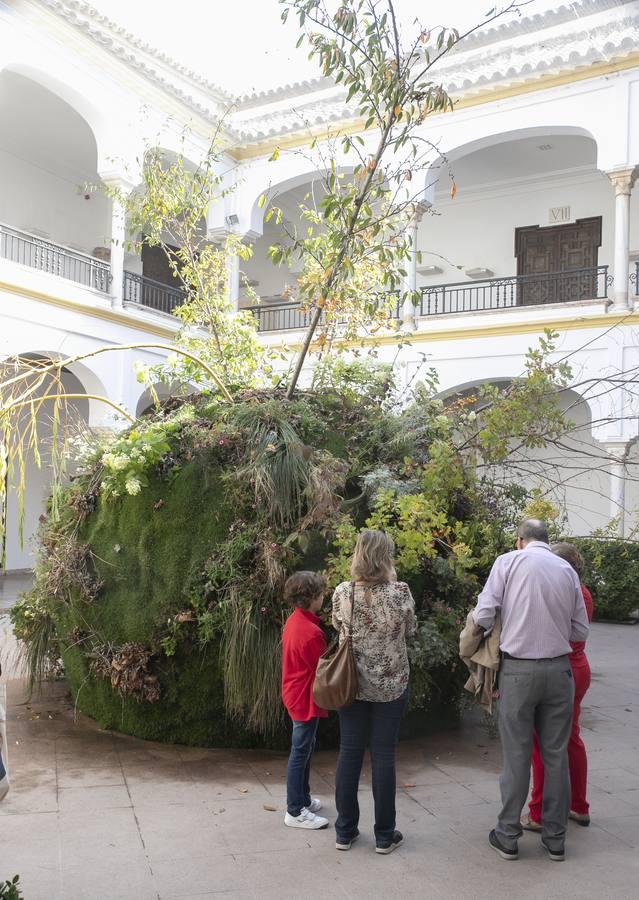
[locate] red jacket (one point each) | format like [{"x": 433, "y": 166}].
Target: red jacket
[
  {"x": 303, "y": 643},
  {"x": 578, "y": 655}
]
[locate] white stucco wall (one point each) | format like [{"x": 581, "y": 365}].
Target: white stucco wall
[
  {"x": 480, "y": 231},
  {"x": 127, "y": 108},
  {"x": 32, "y": 198}
]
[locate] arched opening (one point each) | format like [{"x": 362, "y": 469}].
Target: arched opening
[
  {"x": 149, "y": 278},
  {"x": 471, "y": 392},
  {"x": 150, "y": 398},
  {"x": 523, "y": 218},
  {"x": 53, "y": 220},
  {"x": 34, "y": 482},
  {"x": 572, "y": 471},
  {"x": 275, "y": 285}
]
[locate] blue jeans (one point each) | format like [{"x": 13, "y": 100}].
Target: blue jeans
[
  {"x": 298, "y": 791},
  {"x": 376, "y": 725}
]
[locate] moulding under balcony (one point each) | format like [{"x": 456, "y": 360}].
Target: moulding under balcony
[
  {"x": 473, "y": 331},
  {"x": 95, "y": 310},
  {"x": 138, "y": 310},
  {"x": 525, "y": 184}
]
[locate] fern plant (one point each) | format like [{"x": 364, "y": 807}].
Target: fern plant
[{"x": 10, "y": 890}]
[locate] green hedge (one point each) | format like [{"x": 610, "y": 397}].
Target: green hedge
[{"x": 612, "y": 575}]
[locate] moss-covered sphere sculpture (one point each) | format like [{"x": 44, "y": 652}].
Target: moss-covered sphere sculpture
[{"x": 160, "y": 576}]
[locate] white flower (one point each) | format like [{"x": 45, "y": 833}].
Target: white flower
[
  {"x": 142, "y": 372},
  {"x": 116, "y": 548},
  {"x": 133, "y": 486},
  {"x": 115, "y": 461}
]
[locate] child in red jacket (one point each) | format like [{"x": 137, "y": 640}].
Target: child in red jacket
[{"x": 303, "y": 643}]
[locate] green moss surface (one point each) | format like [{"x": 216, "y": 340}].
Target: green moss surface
[
  {"x": 149, "y": 550},
  {"x": 191, "y": 569}
]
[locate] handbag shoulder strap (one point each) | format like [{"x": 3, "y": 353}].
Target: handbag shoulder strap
[{"x": 350, "y": 621}]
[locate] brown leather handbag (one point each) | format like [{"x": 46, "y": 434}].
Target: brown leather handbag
[{"x": 335, "y": 683}]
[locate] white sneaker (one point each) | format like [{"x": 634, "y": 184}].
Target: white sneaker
[
  {"x": 306, "y": 819},
  {"x": 315, "y": 805}
]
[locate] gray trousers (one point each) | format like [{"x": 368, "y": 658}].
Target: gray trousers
[{"x": 535, "y": 695}]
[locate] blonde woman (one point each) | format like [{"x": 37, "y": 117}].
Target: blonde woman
[{"x": 383, "y": 617}]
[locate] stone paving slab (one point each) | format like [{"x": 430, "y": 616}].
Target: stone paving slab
[{"x": 94, "y": 815}]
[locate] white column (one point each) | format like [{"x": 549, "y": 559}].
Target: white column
[
  {"x": 233, "y": 275},
  {"x": 118, "y": 236},
  {"x": 410, "y": 283},
  {"x": 123, "y": 187},
  {"x": 617, "y": 452},
  {"x": 622, "y": 180}
]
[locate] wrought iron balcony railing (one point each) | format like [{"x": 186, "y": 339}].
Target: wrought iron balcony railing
[
  {"x": 55, "y": 259},
  {"x": 286, "y": 317},
  {"x": 152, "y": 294},
  {"x": 466, "y": 297},
  {"x": 520, "y": 290},
  {"x": 289, "y": 316}
]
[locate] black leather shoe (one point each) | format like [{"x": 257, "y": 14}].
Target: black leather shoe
[
  {"x": 498, "y": 847},
  {"x": 346, "y": 843},
  {"x": 555, "y": 855},
  {"x": 388, "y": 846}
]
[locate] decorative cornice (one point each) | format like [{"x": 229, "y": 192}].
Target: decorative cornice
[
  {"x": 569, "y": 38},
  {"x": 275, "y": 95},
  {"x": 72, "y": 10},
  {"x": 301, "y": 138},
  {"x": 519, "y": 27},
  {"x": 157, "y": 67},
  {"x": 468, "y": 73}
]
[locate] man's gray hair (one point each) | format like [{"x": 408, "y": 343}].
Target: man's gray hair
[{"x": 533, "y": 530}]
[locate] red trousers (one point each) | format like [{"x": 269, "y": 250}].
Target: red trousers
[{"x": 577, "y": 759}]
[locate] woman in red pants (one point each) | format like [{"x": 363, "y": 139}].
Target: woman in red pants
[{"x": 577, "y": 759}]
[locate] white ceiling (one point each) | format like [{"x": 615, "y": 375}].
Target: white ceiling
[
  {"x": 511, "y": 161},
  {"x": 39, "y": 127},
  {"x": 526, "y": 158}
]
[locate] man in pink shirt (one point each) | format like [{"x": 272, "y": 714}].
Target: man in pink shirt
[{"x": 542, "y": 610}]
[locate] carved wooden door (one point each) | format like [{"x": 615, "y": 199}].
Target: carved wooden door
[
  {"x": 558, "y": 263},
  {"x": 155, "y": 265}
]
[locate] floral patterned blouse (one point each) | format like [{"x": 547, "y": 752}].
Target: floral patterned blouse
[{"x": 383, "y": 617}]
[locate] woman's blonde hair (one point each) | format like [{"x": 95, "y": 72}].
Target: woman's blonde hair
[{"x": 373, "y": 558}]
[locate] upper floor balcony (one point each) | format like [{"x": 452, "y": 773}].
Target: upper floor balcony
[
  {"x": 83, "y": 270},
  {"x": 512, "y": 192},
  {"x": 446, "y": 299},
  {"x": 492, "y": 294},
  {"x": 54, "y": 259}
]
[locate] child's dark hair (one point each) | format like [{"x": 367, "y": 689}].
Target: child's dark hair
[{"x": 303, "y": 587}]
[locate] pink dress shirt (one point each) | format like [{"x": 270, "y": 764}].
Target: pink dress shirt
[{"x": 542, "y": 607}]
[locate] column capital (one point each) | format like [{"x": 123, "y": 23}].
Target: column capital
[
  {"x": 618, "y": 450},
  {"x": 118, "y": 181},
  {"x": 623, "y": 180},
  {"x": 420, "y": 209},
  {"x": 218, "y": 235}
]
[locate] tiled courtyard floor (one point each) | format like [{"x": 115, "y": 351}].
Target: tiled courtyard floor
[{"x": 96, "y": 816}]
